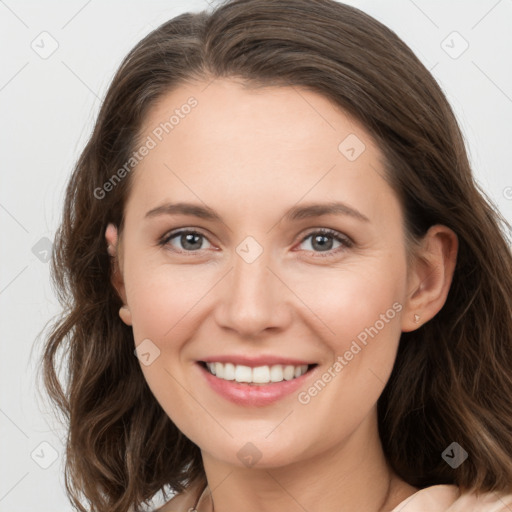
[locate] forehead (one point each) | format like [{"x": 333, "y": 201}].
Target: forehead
[
  {"x": 230, "y": 110},
  {"x": 256, "y": 145}
]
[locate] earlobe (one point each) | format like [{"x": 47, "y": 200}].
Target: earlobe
[
  {"x": 111, "y": 238},
  {"x": 125, "y": 315},
  {"x": 430, "y": 281}
]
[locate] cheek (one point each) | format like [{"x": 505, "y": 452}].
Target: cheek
[
  {"x": 163, "y": 306},
  {"x": 358, "y": 301},
  {"x": 162, "y": 299}
]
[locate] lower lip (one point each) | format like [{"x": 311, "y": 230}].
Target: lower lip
[{"x": 257, "y": 395}]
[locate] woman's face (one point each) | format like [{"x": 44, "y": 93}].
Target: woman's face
[{"x": 247, "y": 275}]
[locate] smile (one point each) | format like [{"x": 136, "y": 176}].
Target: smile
[
  {"x": 256, "y": 375},
  {"x": 257, "y": 385}
]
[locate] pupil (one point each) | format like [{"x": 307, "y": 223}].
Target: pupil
[
  {"x": 189, "y": 239},
  {"x": 321, "y": 240}
]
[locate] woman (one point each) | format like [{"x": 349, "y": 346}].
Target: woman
[{"x": 275, "y": 213}]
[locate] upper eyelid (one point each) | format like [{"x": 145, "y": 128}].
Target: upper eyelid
[{"x": 178, "y": 231}]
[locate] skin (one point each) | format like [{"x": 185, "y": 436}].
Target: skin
[{"x": 251, "y": 154}]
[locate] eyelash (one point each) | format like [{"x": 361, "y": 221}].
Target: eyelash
[{"x": 344, "y": 240}]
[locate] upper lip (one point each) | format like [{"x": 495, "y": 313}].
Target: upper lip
[{"x": 252, "y": 362}]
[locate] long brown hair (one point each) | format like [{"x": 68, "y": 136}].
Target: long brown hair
[{"x": 452, "y": 380}]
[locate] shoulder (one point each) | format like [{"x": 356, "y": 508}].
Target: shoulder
[
  {"x": 449, "y": 498},
  {"x": 184, "y": 501},
  {"x": 482, "y": 502}
]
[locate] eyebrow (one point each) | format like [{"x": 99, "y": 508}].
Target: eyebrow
[{"x": 293, "y": 214}]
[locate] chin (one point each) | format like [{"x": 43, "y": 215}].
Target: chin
[{"x": 256, "y": 451}]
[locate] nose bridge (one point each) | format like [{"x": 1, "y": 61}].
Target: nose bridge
[{"x": 253, "y": 298}]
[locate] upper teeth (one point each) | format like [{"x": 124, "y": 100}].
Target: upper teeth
[{"x": 258, "y": 374}]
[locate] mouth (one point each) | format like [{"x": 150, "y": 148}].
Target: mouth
[
  {"x": 255, "y": 386},
  {"x": 256, "y": 375}
]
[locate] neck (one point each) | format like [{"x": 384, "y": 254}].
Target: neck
[{"x": 351, "y": 476}]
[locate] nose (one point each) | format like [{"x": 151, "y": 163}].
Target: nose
[{"x": 253, "y": 298}]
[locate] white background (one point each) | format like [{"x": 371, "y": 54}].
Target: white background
[{"x": 48, "y": 106}]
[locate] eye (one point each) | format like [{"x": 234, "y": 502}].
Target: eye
[
  {"x": 190, "y": 240},
  {"x": 322, "y": 241}
]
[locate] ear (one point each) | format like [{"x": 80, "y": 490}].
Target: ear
[
  {"x": 114, "y": 251},
  {"x": 430, "y": 277}
]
